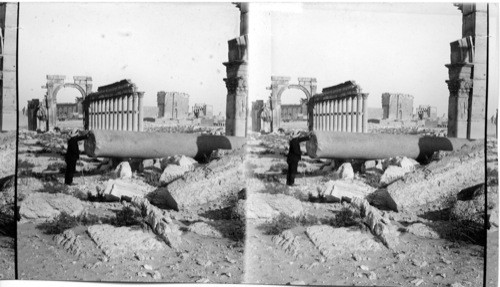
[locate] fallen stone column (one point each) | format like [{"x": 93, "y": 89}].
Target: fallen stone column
[
  {"x": 342, "y": 145},
  {"x": 129, "y": 144}
]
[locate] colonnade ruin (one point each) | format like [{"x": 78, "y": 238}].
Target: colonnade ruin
[
  {"x": 118, "y": 106},
  {"x": 340, "y": 108}
]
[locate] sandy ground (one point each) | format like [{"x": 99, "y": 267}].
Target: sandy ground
[{"x": 198, "y": 258}]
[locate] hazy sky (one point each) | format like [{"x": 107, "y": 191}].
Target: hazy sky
[
  {"x": 397, "y": 48},
  {"x": 159, "y": 46}
]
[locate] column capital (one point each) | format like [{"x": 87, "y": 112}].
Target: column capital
[{"x": 459, "y": 86}]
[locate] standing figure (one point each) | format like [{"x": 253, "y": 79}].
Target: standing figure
[
  {"x": 293, "y": 157},
  {"x": 72, "y": 156}
]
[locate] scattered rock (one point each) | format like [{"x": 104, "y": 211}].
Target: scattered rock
[
  {"x": 171, "y": 173},
  {"x": 116, "y": 189},
  {"x": 296, "y": 283},
  {"x": 205, "y": 229},
  {"x": 345, "y": 188},
  {"x": 382, "y": 200},
  {"x": 345, "y": 171},
  {"x": 408, "y": 164},
  {"x": 333, "y": 242},
  {"x": 147, "y": 267},
  {"x": 70, "y": 243},
  {"x": 119, "y": 241},
  {"x": 267, "y": 206},
  {"x": 391, "y": 174},
  {"x": 288, "y": 242},
  {"x": 123, "y": 170},
  {"x": 422, "y": 230},
  {"x": 41, "y": 205}
]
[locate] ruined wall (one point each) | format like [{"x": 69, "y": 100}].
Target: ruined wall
[
  {"x": 203, "y": 110},
  {"x": 426, "y": 112},
  {"x": 173, "y": 105},
  {"x": 397, "y": 106},
  {"x": 67, "y": 111},
  {"x": 8, "y": 77}
]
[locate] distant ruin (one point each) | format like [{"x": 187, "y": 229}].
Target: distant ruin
[
  {"x": 173, "y": 105},
  {"x": 70, "y": 111},
  {"x": 203, "y": 111},
  {"x": 397, "y": 106},
  {"x": 54, "y": 84},
  {"x": 426, "y": 112}
]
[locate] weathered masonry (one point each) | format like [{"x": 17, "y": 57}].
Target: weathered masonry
[
  {"x": 426, "y": 112},
  {"x": 31, "y": 113},
  {"x": 397, "y": 106},
  {"x": 54, "y": 84},
  {"x": 341, "y": 108},
  {"x": 8, "y": 77},
  {"x": 278, "y": 86},
  {"x": 203, "y": 110},
  {"x": 467, "y": 74},
  {"x": 236, "y": 81},
  {"x": 117, "y": 106},
  {"x": 172, "y": 105}
]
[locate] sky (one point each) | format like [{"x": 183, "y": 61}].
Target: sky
[
  {"x": 159, "y": 46},
  {"x": 396, "y": 48}
]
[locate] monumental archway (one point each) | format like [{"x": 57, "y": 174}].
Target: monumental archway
[
  {"x": 55, "y": 83},
  {"x": 279, "y": 85}
]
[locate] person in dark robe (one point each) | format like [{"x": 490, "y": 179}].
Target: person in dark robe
[
  {"x": 72, "y": 156},
  {"x": 293, "y": 157}
]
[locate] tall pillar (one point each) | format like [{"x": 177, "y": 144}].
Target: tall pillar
[
  {"x": 129, "y": 113},
  {"x": 141, "y": 113},
  {"x": 348, "y": 114},
  {"x": 336, "y": 116},
  {"x": 353, "y": 114},
  {"x": 101, "y": 114},
  {"x": 365, "y": 115},
  {"x": 343, "y": 128},
  {"x": 322, "y": 116},
  {"x": 358, "y": 114},
  {"x": 124, "y": 113},
  {"x": 329, "y": 119},
  {"x": 108, "y": 114},
  {"x": 134, "y": 112},
  {"x": 119, "y": 113},
  {"x": 115, "y": 114}
]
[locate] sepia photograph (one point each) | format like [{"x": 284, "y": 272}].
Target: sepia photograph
[
  {"x": 366, "y": 154},
  {"x": 130, "y": 149}
]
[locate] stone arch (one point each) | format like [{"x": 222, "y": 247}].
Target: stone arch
[
  {"x": 55, "y": 83},
  {"x": 279, "y": 85}
]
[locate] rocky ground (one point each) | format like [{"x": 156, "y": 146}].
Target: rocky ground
[
  {"x": 339, "y": 224},
  {"x": 7, "y": 222},
  {"x": 104, "y": 227}
]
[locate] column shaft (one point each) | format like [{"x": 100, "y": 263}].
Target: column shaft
[
  {"x": 358, "y": 114},
  {"x": 365, "y": 116},
  {"x": 124, "y": 113},
  {"x": 348, "y": 114},
  {"x": 129, "y": 113},
  {"x": 140, "y": 113}
]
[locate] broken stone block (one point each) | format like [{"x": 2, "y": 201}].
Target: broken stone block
[
  {"x": 161, "y": 224},
  {"x": 408, "y": 164},
  {"x": 70, "y": 242},
  {"x": 120, "y": 241},
  {"x": 391, "y": 174},
  {"x": 345, "y": 171},
  {"x": 180, "y": 160},
  {"x": 220, "y": 179},
  {"x": 382, "y": 200},
  {"x": 215, "y": 229},
  {"x": 288, "y": 242},
  {"x": 41, "y": 205},
  {"x": 368, "y": 165},
  {"x": 335, "y": 242},
  {"x": 267, "y": 206},
  {"x": 116, "y": 189},
  {"x": 440, "y": 179},
  {"x": 171, "y": 173},
  {"x": 345, "y": 188},
  {"x": 123, "y": 170}
]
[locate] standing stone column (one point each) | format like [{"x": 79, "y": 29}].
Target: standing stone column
[
  {"x": 98, "y": 115},
  {"x": 358, "y": 114},
  {"x": 140, "y": 112},
  {"x": 108, "y": 114},
  {"x": 343, "y": 128},
  {"x": 322, "y": 116},
  {"x": 337, "y": 118},
  {"x": 124, "y": 113},
  {"x": 119, "y": 113},
  {"x": 134, "y": 112},
  {"x": 129, "y": 113},
  {"x": 329, "y": 119},
  {"x": 348, "y": 114},
  {"x": 365, "y": 116},
  {"x": 115, "y": 114},
  {"x": 353, "y": 114}
]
